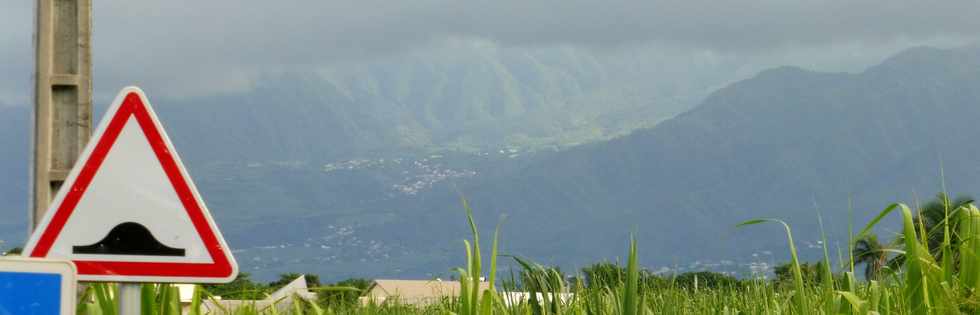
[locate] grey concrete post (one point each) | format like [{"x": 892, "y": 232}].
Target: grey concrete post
[{"x": 62, "y": 95}]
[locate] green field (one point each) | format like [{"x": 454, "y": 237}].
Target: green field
[{"x": 932, "y": 267}]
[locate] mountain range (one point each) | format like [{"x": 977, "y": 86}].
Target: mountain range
[
  {"x": 787, "y": 143},
  {"x": 462, "y": 98},
  {"x": 466, "y": 97}
]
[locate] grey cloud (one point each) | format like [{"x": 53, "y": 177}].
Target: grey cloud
[
  {"x": 16, "y": 53},
  {"x": 310, "y": 31},
  {"x": 721, "y": 25},
  {"x": 186, "y": 45}
]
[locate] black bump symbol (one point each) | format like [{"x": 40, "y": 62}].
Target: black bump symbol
[{"x": 129, "y": 239}]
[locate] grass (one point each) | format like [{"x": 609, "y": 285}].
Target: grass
[{"x": 923, "y": 284}]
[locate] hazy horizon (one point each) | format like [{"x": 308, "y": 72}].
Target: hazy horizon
[{"x": 346, "y": 131}]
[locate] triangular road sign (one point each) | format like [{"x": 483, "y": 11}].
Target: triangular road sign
[{"x": 129, "y": 212}]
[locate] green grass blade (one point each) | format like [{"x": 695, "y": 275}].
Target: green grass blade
[
  {"x": 196, "y": 299},
  {"x": 858, "y": 305},
  {"x": 630, "y": 293},
  {"x": 148, "y": 299},
  {"x": 969, "y": 234},
  {"x": 850, "y": 233},
  {"x": 799, "y": 298},
  {"x": 465, "y": 301},
  {"x": 475, "y": 269},
  {"x": 947, "y": 246},
  {"x": 103, "y": 295},
  {"x": 826, "y": 274},
  {"x": 916, "y": 292},
  {"x": 881, "y": 215},
  {"x": 493, "y": 256}
]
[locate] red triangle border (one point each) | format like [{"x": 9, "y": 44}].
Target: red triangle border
[{"x": 133, "y": 106}]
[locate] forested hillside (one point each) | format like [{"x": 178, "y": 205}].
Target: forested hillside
[{"x": 786, "y": 143}]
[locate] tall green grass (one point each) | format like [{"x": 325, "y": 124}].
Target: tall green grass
[{"x": 921, "y": 284}]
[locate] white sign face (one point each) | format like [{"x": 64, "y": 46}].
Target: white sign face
[
  {"x": 37, "y": 286},
  {"x": 129, "y": 212}
]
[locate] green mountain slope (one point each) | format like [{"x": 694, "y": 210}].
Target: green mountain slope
[
  {"x": 786, "y": 143},
  {"x": 782, "y": 144},
  {"x": 287, "y": 188}
]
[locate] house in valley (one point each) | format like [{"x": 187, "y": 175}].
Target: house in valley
[{"x": 413, "y": 292}]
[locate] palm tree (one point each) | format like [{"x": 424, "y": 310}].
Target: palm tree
[
  {"x": 932, "y": 218},
  {"x": 872, "y": 253}
]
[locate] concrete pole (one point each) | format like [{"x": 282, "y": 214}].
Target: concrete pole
[{"x": 62, "y": 95}]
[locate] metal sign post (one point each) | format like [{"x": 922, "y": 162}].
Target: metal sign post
[{"x": 129, "y": 299}]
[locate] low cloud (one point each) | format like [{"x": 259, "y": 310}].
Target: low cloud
[{"x": 221, "y": 43}]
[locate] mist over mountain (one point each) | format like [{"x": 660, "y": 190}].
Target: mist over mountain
[
  {"x": 783, "y": 144},
  {"x": 359, "y": 172},
  {"x": 469, "y": 97},
  {"x": 466, "y": 97},
  {"x": 788, "y": 143}
]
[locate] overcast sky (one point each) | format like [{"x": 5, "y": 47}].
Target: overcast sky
[{"x": 201, "y": 47}]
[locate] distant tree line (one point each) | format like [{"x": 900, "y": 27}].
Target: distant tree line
[
  {"x": 12, "y": 252},
  {"x": 608, "y": 275}
]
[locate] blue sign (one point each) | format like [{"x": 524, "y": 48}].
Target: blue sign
[
  {"x": 30, "y": 293},
  {"x": 36, "y": 287}
]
